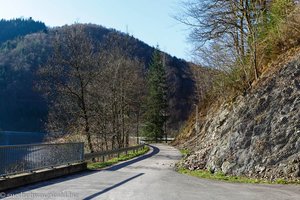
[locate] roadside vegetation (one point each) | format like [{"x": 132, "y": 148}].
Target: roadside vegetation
[
  {"x": 234, "y": 179},
  {"x": 122, "y": 157},
  {"x": 220, "y": 176},
  {"x": 239, "y": 38},
  {"x": 185, "y": 152}
]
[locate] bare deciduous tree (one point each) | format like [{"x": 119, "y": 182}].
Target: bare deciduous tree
[
  {"x": 68, "y": 76},
  {"x": 94, "y": 90},
  {"x": 122, "y": 84},
  {"x": 231, "y": 25}
]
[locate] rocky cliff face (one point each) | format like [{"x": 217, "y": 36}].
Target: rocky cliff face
[{"x": 257, "y": 135}]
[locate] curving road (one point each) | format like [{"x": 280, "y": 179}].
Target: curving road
[{"x": 149, "y": 177}]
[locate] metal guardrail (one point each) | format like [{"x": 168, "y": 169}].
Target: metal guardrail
[
  {"x": 89, "y": 156},
  {"x": 158, "y": 140},
  {"x": 26, "y": 158}
]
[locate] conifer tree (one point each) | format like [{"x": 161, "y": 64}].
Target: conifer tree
[{"x": 156, "y": 105}]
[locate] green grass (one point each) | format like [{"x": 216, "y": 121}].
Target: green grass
[
  {"x": 234, "y": 179},
  {"x": 122, "y": 157},
  {"x": 185, "y": 152}
]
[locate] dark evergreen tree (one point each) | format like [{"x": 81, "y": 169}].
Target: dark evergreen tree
[
  {"x": 14, "y": 28},
  {"x": 156, "y": 105}
]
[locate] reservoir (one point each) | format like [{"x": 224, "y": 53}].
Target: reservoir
[{"x": 14, "y": 138}]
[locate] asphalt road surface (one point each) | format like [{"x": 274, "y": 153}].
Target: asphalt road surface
[{"x": 149, "y": 177}]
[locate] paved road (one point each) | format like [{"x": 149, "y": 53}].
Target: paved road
[{"x": 150, "y": 177}]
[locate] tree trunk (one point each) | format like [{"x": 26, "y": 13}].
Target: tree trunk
[
  {"x": 137, "y": 126},
  {"x": 87, "y": 132}
]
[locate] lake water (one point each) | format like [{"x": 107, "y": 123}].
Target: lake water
[{"x": 13, "y": 138}]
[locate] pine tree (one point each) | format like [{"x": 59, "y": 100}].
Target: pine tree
[{"x": 156, "y": 105}]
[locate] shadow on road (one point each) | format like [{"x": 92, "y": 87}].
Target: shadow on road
[
  {"x": 112, "y": 187},
  {"x": 130, "y": 162},
  {"x": 50, "y": 182},
  {"x": 155, "y": 151},
  {"x": 85, "y": 173}
]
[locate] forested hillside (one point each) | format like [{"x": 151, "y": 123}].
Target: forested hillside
[
  {"x": 23, "y": 106},
  {"x": 11, "y": 29}
]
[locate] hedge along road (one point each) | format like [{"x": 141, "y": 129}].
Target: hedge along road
[{"x": 150, "y": 176}]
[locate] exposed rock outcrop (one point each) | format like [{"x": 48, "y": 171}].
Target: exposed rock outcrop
[{"x": 258, "y": 135}]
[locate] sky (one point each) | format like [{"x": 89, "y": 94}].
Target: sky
[{"x": 148, "y": 20}]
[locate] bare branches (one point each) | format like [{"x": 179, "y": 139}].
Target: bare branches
[
  {"x": 227, "y": 34},
  {"x": 94, "y": 92},
  {"x": 70, "y": 73}
]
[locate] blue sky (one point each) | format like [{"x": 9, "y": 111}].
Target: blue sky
[{"x": 148, "y": 20}]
